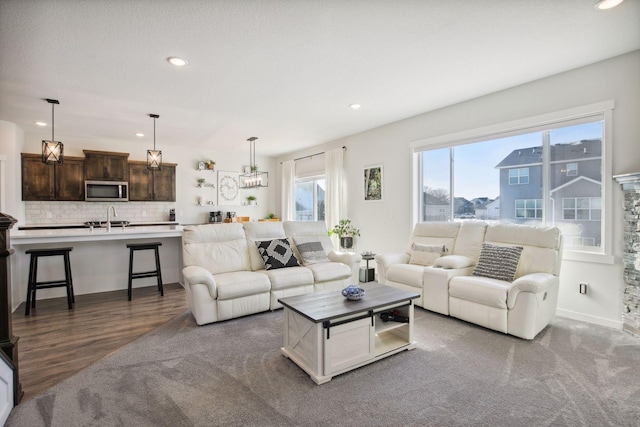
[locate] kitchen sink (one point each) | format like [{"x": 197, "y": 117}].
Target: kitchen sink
[{"x": 100, "y": 224}]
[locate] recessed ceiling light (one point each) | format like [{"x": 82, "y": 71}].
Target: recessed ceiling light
[
  {"x": 178, "y": 62},
  {"x": 139, "y": 134},
  {"x": 41, "y": 124},
  {"x": 354, "y": 106},
  {"x": 607, "y": 4}
]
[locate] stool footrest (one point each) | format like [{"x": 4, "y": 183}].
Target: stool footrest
[
  {"x": 144, "y": 274},
  {"x": 51, "y": 284}
]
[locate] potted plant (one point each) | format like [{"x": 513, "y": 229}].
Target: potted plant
[
  {"x": 211, "y": 164},
  {"x": 346, "y": 232},
  {"x": 254, "y": 168},
  {"x": 251, "y": 200},
  {"x": 201, "y": 182}
]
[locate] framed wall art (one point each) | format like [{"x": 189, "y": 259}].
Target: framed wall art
[{"x": 373, "y": 183}]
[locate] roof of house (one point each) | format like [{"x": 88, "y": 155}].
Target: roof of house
[{"x": 586, "y": 148}]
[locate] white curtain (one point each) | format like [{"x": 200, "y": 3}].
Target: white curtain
[
  {"x": 335, "y": 197},
  {"x": 288, "y": 190}
]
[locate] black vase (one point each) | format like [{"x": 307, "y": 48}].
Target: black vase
[{"x": 346, "y": 242}]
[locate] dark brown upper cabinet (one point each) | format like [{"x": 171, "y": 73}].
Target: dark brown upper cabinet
[
  {"x": 106, "y": 166},
  {"x": 152, "y": 186},
  {"x": 63, "y": 182}
]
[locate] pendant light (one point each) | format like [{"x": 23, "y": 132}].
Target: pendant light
[
  {"x": 253, "y": 178},
  {"x": 154, "y": 157},
  {"x": 52, "y": 150}
]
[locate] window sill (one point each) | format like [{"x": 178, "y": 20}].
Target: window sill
[{"x": 591, "y": 257}]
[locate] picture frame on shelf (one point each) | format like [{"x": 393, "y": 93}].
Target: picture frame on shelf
[{"x": 373, "y": 183}]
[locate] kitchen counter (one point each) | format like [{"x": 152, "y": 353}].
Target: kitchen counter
[
  {"x": 60, "y": 235},
  {"x": 99, "y": 260}
]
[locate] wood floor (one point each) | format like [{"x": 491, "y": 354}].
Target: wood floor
[{"x": 56, "y": 342}]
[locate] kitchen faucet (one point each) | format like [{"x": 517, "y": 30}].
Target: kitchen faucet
[{"x": 109, "y": 216}]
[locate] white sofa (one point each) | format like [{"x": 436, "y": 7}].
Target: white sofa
[
  {"x": 225, "y": 276},
  {"x": 522, "y": 306}
]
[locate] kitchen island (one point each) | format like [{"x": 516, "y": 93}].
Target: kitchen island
[{"x": 99, "y": 260}]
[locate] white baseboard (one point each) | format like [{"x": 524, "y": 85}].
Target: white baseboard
[{"x": 616, "y": 324}]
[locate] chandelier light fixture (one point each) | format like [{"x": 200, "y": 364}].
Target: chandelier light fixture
[
  {"x": 252, "y": 177},
  {"x": 154, "y": 157},
  {"x": 52, "y": 150}
]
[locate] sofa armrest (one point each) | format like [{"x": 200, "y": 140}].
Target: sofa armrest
[
  {"x": 195, "y": 274},
  {"x": 352, "y": 260},
  {"x": 534, "y": 283},
  {"x": 384, "y": 261}
]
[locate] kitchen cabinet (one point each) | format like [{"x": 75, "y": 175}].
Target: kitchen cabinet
[
  {"x": 152, "y": 186},
  {"x": 106, "y": 166},
  {"x": 41, "y": 181}
]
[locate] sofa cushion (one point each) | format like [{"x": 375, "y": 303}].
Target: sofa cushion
[
  {"x": 408, "y": 274},
  {"x": 470, "y": 239},
  {"x": 241, "y": 284},
  {"x": 498, "y": 262},
  {"x": 481, "y": 290},
  {"x": 220, "y": 248},
  {"x": 258, "y": 231},
  {"x": 426, "y": 255},
  {"x": 453, "y": 262},
  {"x": 283, "y": 278},
  {"x": 311, "y": 250},
  {"x": 277, "y": 253},
  {"x": 327, "y": 271}
]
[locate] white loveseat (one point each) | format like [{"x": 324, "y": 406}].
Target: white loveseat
[
  {"x": 225, "y": 276},
  {"x": 522, "y": 306}
]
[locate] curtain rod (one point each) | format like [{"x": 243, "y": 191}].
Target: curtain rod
[{"x": 344, "y": 147}]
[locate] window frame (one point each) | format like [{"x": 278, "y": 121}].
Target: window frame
[
  {"x": 519, "y": 176},
  {"x": 531, "y": 124}
]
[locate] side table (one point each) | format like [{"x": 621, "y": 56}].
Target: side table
[{"x": 367, "y": 274}]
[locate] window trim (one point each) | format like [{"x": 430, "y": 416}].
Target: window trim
[{"x": 539, "y": 122}]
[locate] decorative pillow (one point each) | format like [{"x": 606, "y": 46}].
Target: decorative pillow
[
  {"x": 311, "y": 252},
  {"x": 426, "y": 254},
  {"x": 277, "y": 253},
  {"x": 453, "y": 261},
  {"x": 498, "y": 262}
]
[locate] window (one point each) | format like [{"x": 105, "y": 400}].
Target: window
[
  {"x": 550, "y": 174},
  {"x": 582, "y": 209},
  {"x": 529, "y": 208},
  {"x": 309, "y": 194},
  {"x": 518, "y": 176}
]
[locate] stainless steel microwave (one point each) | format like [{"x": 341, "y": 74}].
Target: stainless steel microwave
[{"x": 106, "y": 191}]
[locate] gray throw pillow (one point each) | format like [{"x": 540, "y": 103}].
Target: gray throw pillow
[
  {"x": 498, "y": 262},
  {"x": 311, "y": 252}
]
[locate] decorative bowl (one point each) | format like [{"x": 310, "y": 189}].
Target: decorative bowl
[{"x": 353, "y": 292}]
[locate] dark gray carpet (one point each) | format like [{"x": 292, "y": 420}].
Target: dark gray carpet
[{"x": 232, "y": 374}]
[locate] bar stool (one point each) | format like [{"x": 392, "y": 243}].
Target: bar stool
[
  {"x": 33, "y": 284},
  {"x": 155, "y": 273}
]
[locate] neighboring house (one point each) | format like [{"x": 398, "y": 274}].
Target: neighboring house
[
  {"x": 435, "y": 208},
  {"x": 493, "y": 209},
  {"x": 480, "y": 207},
  {"x": 574, "y": 183}
]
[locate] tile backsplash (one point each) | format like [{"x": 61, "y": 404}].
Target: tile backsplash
[{"x": 37, "y": 213}]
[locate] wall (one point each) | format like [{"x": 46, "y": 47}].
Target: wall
[
  {"x": 187, "y": 191},
  {"x": 11, "y": 141},
  {"x": 386, "y": 225}
]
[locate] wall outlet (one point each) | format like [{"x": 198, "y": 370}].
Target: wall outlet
[{"x": 583, "y": 288}]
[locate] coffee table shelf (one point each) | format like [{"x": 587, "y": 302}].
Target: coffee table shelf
[{"x": 327, "y": 335}]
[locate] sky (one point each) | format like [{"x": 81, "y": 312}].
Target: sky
[{"x": 475, "y": 172}]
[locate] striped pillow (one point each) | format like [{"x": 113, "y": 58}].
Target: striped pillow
[{"x": 498, "y": 262}]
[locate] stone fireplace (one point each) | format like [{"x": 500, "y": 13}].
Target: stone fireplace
[{"x": 631, "y": 254}]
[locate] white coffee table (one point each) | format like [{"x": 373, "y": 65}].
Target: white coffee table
[{"x": 327, "y": 335}]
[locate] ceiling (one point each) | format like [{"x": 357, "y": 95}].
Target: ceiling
[{"x": 285, "y": 71}]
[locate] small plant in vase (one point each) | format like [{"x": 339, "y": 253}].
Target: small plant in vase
[
  {"x": 201, "y": 182},
  {"x": 251, "y": 200},
  {"x": 211, "y": 164},
  {"x": 346, "y": 232}
]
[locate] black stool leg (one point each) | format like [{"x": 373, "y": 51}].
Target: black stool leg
[
  {"x": 67, "y": 278},
  {"x": 130, "y": 272},
  {"x": 160, "y": 288},
  {"x": 30, "y": 284}
]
